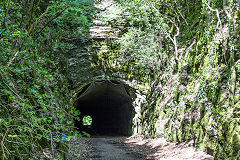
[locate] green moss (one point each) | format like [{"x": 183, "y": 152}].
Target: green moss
[
  {"x": 167, "y": 130},
  {"x": 203, "y": 83}
]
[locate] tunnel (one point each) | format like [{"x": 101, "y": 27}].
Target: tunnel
[{"x": 110, "y": 107}]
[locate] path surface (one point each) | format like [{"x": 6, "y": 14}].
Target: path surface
[
  {"x": 132, "y": 148},
  {"x": 126, "y": 148},
  {"x": 103, "y": 149}
]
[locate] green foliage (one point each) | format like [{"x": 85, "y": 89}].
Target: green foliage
[
  {"x": 35, "y": 96},
  {"x": 184, "y": 55},
  {"x": 87, "y": 120}
]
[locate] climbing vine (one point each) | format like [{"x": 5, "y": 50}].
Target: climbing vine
[
  {"x": 35, "y": 99},
  {"x": 184, "y": 55}
]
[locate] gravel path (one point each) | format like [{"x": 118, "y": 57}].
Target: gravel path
[
  {"x": 103, "y": 149},
  {"x": 132, "y": 148}
]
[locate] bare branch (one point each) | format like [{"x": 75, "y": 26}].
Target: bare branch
[
  {"x": 219, "y": 23},
  {"x": 57, "y": 15},
  {"x": 174, "y": 41},
  {"x": 190, "y": 47},
  {"x": 13, "y": 58},
  {"x": 37, "y": 21},
  {"x": 2, "y": 144}
]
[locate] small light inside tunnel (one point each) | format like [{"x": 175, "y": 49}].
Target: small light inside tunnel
[
  {"x": 106, "y": 109},
  {"x": 87, "y": 121}
]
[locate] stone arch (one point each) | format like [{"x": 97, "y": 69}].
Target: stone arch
[{"x": 110, "y": 105}]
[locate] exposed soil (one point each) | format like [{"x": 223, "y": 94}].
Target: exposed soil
[
  {"x": 106, "y": 149},
  {"x": 132, "y": 148},
  {"x": 101, "y": 148},
  {"x": 160, "y": 149}
]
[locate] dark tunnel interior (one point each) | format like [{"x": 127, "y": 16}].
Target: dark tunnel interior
[{"x": 109, "y": 105}]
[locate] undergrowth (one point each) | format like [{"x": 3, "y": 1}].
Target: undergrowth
[{"x": 35, "y": 95}]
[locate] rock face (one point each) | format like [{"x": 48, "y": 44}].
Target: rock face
[
  {"x": 203, "y": 110},
  {"x": 82, "y": 65},
  {"x": 107, "y": 102},
  {"x": 198, "y": 102}
]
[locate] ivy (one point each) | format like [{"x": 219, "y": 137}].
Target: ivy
[
  {"x": 184, "y": 55},
  {"x": 34, "y": 90}
]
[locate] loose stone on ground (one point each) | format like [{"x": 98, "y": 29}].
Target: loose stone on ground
[{"x": 132, "y": 148}]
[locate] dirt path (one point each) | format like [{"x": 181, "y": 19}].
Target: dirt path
[
  {"x": 132, "y": 148},
  {"x": 103, "y": 149},
  {"x": 160, "y": 149}
]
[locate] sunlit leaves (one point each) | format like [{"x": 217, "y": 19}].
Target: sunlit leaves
[{"x": 33, "y": 90}]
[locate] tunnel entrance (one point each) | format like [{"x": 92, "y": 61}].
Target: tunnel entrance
[{"x": 110, "y": 107}]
